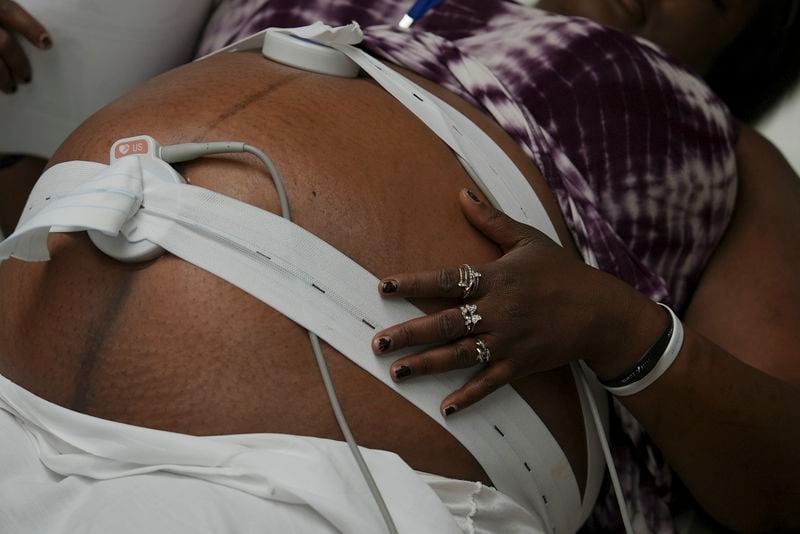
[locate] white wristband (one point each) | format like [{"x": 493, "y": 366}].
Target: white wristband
[{"x": 664, "y": 363}]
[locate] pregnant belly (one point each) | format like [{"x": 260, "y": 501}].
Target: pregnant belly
[{"x": 169, "y": 346}]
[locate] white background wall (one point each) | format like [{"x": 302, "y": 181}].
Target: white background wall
[{"x": 782, "y": 127}]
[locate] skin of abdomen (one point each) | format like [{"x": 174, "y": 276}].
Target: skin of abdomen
[{"x": 167, "y": 345}]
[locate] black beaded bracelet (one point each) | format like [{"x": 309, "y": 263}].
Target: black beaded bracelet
[{"x": 646, "y": 362}]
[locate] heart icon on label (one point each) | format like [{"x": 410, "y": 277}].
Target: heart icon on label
[{"x": 124, "y": 149}]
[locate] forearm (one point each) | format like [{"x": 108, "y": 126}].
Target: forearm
[
  {"x": 727, "y": 413},
  {"x": 729, "y": 431}
]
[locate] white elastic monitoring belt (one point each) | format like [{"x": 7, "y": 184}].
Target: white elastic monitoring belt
[{"x": 320, "y": 288}]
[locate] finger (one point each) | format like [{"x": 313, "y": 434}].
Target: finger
[
  {"x": 16, "y": 18},
  {"x": 440, "y": 283},
  {"x": 14, "y": 57},
  {"x": 485, "y": 382},
  {"x": 439, "y": 327},
  {"x": 6, "y": 81},
  {"x": 493, "y": 223},
  {"x": 458, "y": 355}
]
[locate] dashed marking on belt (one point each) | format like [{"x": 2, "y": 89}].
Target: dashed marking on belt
[
  {"x": 263, "y": 255},
  {"x": 315, "y": 286},
  {"x": 526, "y": 466},
  {"x": 368, "y": 324},
  {"x": 499, "y": 431}
]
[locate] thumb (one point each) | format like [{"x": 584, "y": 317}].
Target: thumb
[{"x": 493, "y": 223}]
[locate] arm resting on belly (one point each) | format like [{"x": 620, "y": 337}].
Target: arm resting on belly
[{"x": 726, "y": 413}]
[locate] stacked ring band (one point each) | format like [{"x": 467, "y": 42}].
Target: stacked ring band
[
  {"x": 484, "y": 354},
  {"x": 468, "y": 279}
]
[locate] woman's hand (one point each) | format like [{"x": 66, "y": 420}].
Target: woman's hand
[
  {"x": 540, "y": 308},
  {"x": 14, "y": 65}
]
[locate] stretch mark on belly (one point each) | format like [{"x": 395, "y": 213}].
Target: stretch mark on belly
[
  {"x": 241, "y": 105},
  {"x": 95, "y": 338}
]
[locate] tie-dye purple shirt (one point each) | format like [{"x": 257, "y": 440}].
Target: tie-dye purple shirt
[{"x": 638, "y": 151}]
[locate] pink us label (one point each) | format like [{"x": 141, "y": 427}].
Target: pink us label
[{"x": 131, "y": 148}]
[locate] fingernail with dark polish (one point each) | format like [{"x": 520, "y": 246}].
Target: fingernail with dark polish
[
  {"x": 473, "y": 196},
  {"x": 450, "y": 410},
  {"x": 402, "y": 372},
  {"x": 46, "y": 41},
  {"x": 383, "y": 344},
  {"x": 389, "y": 286}
]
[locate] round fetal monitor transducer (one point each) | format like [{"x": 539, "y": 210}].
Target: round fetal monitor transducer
[
  {"x": 141, "y": 250},
  {"x": 307, "y": 55}
]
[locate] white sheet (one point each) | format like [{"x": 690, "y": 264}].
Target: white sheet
[
  {"x": 63, "y": 472},
  {"x": 101, "y": 50}
]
